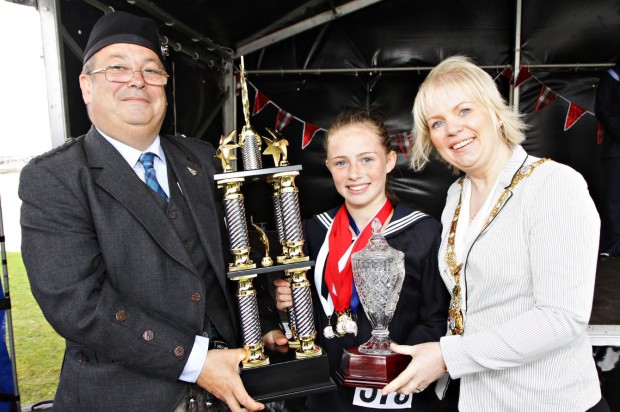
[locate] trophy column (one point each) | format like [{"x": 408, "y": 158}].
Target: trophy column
[
  {"x": 302, "y": 298},
  {"x": 293, "y": 341},
  {"x": 246, "y": 294}
]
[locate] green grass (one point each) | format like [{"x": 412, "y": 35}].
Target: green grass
[{"x": 38, "y": 348}]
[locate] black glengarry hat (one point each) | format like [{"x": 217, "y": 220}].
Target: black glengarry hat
[{"x": 123, "y": 27}]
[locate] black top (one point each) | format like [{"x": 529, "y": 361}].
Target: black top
[{"x": 422, "y": 308}]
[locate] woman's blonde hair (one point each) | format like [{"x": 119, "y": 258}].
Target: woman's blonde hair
[{"x": 459, "y": 72}]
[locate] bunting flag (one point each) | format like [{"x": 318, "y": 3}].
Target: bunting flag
[
  {"x": 573, "y": 114},
  {"x": 523, "y": 75},
  {"x": 507, "y": 73},
  {"x": 309, "y": 132},
  {"x": 599, "y": 133},
  {"x": 404, "y": 142},
  {"x": 545, "y": 97},
  {"x": 260, "y": 101},
  {"x": 283, "y": 119}
]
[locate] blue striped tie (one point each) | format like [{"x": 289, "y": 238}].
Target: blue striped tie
[{"x": 149, "y": 174}]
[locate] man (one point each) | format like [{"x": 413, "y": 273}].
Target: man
[
  {"x": 607, "y": 108},
  {"x": 131, "y": 274}
]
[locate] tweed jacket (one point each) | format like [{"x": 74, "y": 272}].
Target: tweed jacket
[
  {"x": 112, "y": 276},
  {"x": 528, "y": 283}
]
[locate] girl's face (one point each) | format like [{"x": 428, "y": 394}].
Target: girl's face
[
  {"x": 463, "y": 132},
  {"x": 359, "y": 165}
]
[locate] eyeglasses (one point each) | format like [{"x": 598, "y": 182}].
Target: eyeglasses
[{"x": 122, "y": 74}]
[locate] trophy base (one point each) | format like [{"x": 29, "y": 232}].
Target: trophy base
[
  {"x": 287, "y": 377},
  {"x": 369, "y": 371}
]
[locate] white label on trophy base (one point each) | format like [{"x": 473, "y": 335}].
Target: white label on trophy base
[{"x": 372, "y": 398}]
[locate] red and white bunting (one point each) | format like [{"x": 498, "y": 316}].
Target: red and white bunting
[
  {"x": 545, "y": 97},
  {"x": 507, "y": 73},
  {"x": 599, "y": 133},
  {"x": 403, "y": 141},
  {"x": 260, "y": 101},
  {"x": 523, "y": 75},
  {"x": 309, "y": 132},
  {"x": 573, "y": 114},
  {"x": 283, "y": 119}
]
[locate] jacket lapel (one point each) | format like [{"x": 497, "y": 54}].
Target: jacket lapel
[
  {"x": 117, "y": 178},
  {"x": 198, "y": 187},
  {"x": 512, "y": 167}
]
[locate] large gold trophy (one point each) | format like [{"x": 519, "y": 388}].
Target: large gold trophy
[{"x": 300, "y": 368}]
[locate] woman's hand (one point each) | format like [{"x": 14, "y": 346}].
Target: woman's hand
[
  {"x": 426, "y": 367},
  {"x": 284, "y": 295}
]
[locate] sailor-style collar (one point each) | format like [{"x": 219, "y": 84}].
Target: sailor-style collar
[{"x": 402, "y": 218}]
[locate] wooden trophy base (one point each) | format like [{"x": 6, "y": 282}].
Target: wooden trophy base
[
  {"x": 369, "y": 371},
  {"x": 287, "y": 377}
]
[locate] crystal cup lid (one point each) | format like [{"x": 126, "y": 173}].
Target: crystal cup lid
[{"x": 377, "y": 247}]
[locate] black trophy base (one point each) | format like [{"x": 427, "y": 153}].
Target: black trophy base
[
  {"x": 369, "y": 371},
  {"x": 287, "y": 377}
]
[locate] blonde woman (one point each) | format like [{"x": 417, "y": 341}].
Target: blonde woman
[{"x": 518, "y": 255}]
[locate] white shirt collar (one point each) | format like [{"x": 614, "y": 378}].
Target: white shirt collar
[{"x": 131, "y": 154}]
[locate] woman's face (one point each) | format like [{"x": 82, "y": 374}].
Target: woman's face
[
  {"x": 359, "y": 165},
  {"x": 463, "y": 132}
]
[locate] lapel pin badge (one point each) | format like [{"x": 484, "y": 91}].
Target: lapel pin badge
[{"x": 192, "y": 171}]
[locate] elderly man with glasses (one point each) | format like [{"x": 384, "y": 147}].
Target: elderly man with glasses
[{"x": 123, "y": 248}]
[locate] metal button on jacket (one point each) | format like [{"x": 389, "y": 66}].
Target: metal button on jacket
[
  {"x": 148, "y": 335},
  {"x": 173, "y": 214},
  {"x": 196, "y": 297},
  {"x": 179, "y": 351},
  {"x": 121, "y": 316}
]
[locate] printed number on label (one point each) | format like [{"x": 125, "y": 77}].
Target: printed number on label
[{"x": 372, "y": 398}]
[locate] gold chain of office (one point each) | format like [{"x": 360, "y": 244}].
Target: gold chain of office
[{"x": 455, "y": 315}]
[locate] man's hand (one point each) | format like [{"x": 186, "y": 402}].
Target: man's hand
[
  {"x": 220, "y": 377},
  {"x": 284, "y": 295},
  {"x": 426, "y": 367},
  {"x": 275, "y": 337}
]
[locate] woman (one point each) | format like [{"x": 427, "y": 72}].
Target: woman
[
  {"x": 359, "y": 158},
  {"x": 518, "y": 254}
]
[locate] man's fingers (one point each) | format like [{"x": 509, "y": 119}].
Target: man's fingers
[{"x": 245, "y": 400}]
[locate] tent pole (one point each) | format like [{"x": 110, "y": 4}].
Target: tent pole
[{"x": 517, "y": 58}]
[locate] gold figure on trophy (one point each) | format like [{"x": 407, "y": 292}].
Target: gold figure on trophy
[
  {"x": 266, "y": 261},
  {"x": 277, "y": 147},
  {"x": 225, "y": 150}
]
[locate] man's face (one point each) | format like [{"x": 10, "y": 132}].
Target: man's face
[{"x": 131, "y": 112}]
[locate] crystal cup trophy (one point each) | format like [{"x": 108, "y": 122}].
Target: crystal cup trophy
[{"x": 378, "y": 273}]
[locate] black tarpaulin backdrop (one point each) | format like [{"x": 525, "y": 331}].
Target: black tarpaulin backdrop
[{"x": 391, "y": 36}]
